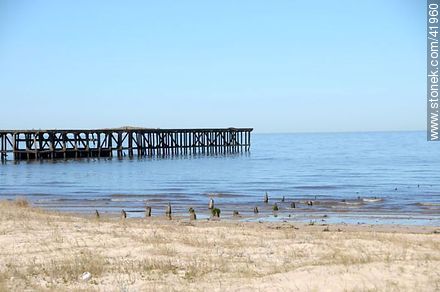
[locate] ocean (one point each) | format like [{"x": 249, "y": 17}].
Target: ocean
[{"x": 362, "y": 178}]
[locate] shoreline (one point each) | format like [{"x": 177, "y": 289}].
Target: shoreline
[
  {"x": 45, "y": 250},
  {"x": 331, "y": 211}
]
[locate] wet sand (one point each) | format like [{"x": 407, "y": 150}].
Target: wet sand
[{"x": 44, "y": 250}]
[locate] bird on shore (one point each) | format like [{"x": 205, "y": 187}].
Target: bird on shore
[{"x": 97, "y": 214}]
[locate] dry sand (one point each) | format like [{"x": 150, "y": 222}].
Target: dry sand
[{"x": 41, "y": 250}]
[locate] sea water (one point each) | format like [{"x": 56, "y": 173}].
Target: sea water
[{"x": 374, "y": 177}]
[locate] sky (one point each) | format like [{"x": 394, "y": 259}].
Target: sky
[{"x": 276, "y": 66}]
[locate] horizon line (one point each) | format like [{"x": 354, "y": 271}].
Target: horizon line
[{"x": 337, "y": 132}]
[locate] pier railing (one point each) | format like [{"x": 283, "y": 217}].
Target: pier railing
[{"x": 120, "y": 142}]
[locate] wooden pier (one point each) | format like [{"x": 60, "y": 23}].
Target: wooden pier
[{"x": 120, "y": 142}]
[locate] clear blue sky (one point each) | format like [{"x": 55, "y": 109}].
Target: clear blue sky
[{"x": 277, "y": 66}]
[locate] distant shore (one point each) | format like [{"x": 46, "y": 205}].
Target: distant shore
[{"x": 50, "y": 250}]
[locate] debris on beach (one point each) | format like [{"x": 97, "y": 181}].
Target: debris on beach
[{"x": 86, "y": 276}]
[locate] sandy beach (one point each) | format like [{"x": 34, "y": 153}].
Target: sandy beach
[{"x": 48, "y": 251}]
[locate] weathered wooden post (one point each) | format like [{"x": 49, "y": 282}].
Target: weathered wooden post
[
  {"x": 168, "y": 211},
  {"x": 266, "y": 198},
  {"x": 148, "y": 211},
  {"x": 119, "y": 144},
  {"x": 130, "y": 143},
  {"x": 192, "y": 214},
  {"x": 211, "y": 204},
  {"x": 215, "y": 213}
]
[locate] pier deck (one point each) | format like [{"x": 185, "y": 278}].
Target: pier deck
[{"x": 120, "y": 142}]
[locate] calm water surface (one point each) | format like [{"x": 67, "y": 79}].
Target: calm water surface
[{"x": 343, "y": 170}]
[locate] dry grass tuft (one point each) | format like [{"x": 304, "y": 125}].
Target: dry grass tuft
[
  {"x": 21, "y": 202},
  {"x": 70, "y": 268},
  {"x": 63, "y": 269}
]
